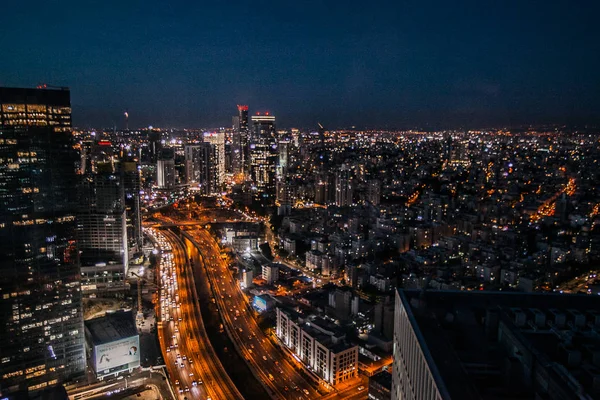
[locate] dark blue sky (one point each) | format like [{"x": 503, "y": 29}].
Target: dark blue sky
[{"x": 381, "y": 63}]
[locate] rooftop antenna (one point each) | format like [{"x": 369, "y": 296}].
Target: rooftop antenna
[{"x": 126, "y": 120}]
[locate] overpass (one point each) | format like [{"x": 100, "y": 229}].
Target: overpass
[{"x": 176, "y": 224}]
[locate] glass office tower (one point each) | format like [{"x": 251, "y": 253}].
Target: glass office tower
[
  {"x": 42, "y": 337},
  {"x": 263, "y": 155}
]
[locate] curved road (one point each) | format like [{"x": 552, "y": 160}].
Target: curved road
[
  {"x": 275, "y": 371},
  {"x": 182, "y": 333}
]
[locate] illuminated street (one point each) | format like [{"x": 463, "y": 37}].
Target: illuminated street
[
  {"x": 298, "y": 201},
  {"x": 193, "y": 366},
  {"x": 275, "y": 371}
]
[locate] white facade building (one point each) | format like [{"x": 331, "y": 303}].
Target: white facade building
[
  {"x": 247, "y": 276},
  {"x": 270, "y": 273},
  {"x": 412, "y": 377},
  {"x": 322, "y": 351}
]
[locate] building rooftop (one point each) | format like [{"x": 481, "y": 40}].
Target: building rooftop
[
  {"x": 111, "y": 327},
  {"x": 481, "y": 343},
  {"x": 60, "y": 97},
  {"x": 383, "y": 378}
]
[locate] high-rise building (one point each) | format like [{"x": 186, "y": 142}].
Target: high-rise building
[
  {"x": 323, "y": 192},
  {"x": 42, "y": 336},
  {"x": 131, "y": 179},
  {"x": 201, "y": 167},
  {"x": 263, "y": 155},
  {"x": 283, "y": 157},
  {"x": 154, "y": 145},
  {"x": 240, "y": 140},
  {"x": 165, "y": 169},
  {"x": 285, "y": 196},
  {"x": 192, "y": 164},
  {"x": 374, "y": 192},
  {"x": 217, "y": 139},
  {"x": 344, "y": 190},
  {"x": 283, "y": 184},
  {"x": 102, "y": 231}
]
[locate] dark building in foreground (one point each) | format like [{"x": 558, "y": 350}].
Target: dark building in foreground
[
  {"x": 495, "y": 345},
  {"x": 380, "y": 386},
  {"x": 42, "y": 338}
]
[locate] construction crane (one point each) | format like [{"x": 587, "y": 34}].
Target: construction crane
[{"x": 140, "y": 314}]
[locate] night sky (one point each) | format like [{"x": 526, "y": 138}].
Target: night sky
[{"x": 427, "y": 63}]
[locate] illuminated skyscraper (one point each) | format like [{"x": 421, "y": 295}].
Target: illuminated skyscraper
[
  {"x": 42, "y": 336},
  {"x": 192, "y": 166},
  {"x": 154, "y": 145},
  {"x": 130, "y": 176},
  {"x": 102, "y": 230},
  {"x": 165, "y": 169},
  {"x": 240, "y": 140},
  {"x": 344, "y": 190},
  {"x": 324, "y": 193},
  {"x": 263, "y": 154},
  {"x": 200, "y": 166},
  {"x": 284, "y": 157},
  {"x": 217, "y": 139}
]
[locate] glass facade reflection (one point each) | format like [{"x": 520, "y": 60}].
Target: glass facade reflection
[{"x": 42, "y": 340}]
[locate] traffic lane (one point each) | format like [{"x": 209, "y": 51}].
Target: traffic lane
[
  {"x": 205, "y": 374},
  {"x": 174, "y": 330},
  {"x": 194, "y": 252},
  {"x": 234, "y": 329},
  {"x": 227, "y": 285},
  {"x": 265, "y": 354},
  {"x": 262, "y": 351},
  {"x": 216, "y": 373}
]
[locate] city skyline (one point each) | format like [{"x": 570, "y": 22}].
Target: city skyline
[
  {"x": 233, "y": 244},
  {"x": 394, "y": 65},
  {"x": 397, "y": 200}
]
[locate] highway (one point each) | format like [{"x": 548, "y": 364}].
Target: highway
[
  {"x": 192, "y": 363},
  {"x": 275, "y": 371},
  {"x": 579, "y": 284}
]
